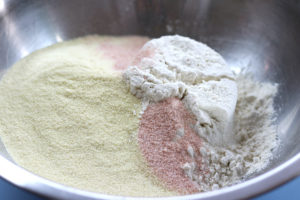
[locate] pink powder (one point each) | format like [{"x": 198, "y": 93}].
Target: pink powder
[
  {"x": 164, "y": 152},
  {"x": 145, "y": 52},
  {"x": 123, "y": 52}
]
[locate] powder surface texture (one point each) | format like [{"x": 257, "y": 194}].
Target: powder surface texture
[
  {"x": 167, "y": 142},
  {"x": 255, "y": 132},
  {"x": 171, "y": 147},
  {"x": 66, "y": 115},
  {"x": 189, "y": 70},
  {"x": 122, "y": 51},
  {"x": 235, "y": 124},
  {"x": 193, "y": 125}
]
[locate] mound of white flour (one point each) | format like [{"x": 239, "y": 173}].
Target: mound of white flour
[
  {"x": 234, "y": 112},
  {"x": 176, "y": 66}
]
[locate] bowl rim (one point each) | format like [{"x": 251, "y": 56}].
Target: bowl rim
[{"x": 28, "y": 181}]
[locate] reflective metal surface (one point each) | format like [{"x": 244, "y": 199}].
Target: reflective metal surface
[{"x": 262, "y": 36}]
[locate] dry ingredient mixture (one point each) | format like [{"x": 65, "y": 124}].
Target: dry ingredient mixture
[{"x": 176, "y": 121}]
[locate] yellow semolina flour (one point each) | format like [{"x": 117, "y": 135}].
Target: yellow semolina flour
[{"x": 66, "y": 115}]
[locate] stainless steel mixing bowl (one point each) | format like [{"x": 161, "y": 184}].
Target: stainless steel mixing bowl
[{"x": 262, "y": 36}]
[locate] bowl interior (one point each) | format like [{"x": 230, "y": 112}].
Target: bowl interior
[{"x": 262, "y": 36}]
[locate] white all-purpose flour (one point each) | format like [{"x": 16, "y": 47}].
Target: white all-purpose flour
[{"x": 181, "y": 67}]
